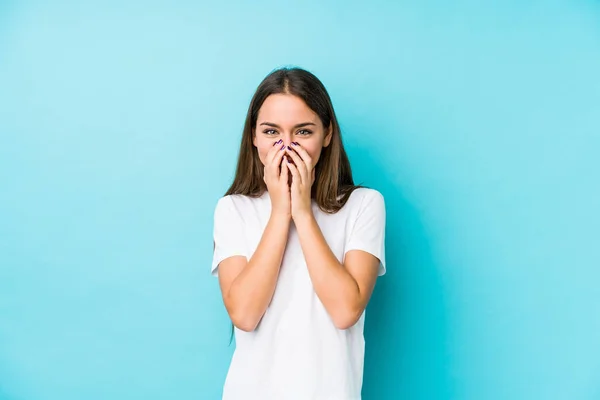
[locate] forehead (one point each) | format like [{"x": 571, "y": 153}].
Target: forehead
[{"x": 285, "y": 109}]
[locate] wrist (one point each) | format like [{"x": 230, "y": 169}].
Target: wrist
[
  {"x": 281, "y": 216},
  {"x": 303, "y": 217}
]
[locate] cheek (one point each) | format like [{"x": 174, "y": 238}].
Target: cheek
[
  {"x": 263, "y": 150},
  {"x": 262, "y": 154},
  {"x": 313, "y": 151}
]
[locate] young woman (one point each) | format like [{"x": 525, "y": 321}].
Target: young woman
[{"x": 298, "y": 248}]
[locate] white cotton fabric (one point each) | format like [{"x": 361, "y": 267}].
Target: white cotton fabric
[{"x": 296, "y": 353}]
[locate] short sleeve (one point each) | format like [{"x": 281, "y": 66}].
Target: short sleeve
[
  {"x": 368, "y": 232},
  {"x": 228, "y": 233}
]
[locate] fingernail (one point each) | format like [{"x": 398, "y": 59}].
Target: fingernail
[
  {"x": 296, "y": 143},
  {"x": 282, "y": 147},
  {"x": 289, "y": 148}
]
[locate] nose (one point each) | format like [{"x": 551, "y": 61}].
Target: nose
[{"x": 287, "y": 139}]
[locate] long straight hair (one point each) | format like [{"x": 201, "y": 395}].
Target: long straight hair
[{"x": 333, "y": 176}]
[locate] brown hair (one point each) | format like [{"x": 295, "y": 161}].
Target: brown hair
[{"x": 333, "y": 176}]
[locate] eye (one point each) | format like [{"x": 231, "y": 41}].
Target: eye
[
  {"x": 304, "y": 132},
  {"x": 270, "y": 132}
]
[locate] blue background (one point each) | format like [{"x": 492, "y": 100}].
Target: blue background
[{"x": 479, "y": 121}]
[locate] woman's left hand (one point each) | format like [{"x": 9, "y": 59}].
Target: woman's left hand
[{"x": 303, "y": 177}]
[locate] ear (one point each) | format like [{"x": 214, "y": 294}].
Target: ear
[
  {"x": 254, "y": 137},
  {"x": 328, "y": 136}
]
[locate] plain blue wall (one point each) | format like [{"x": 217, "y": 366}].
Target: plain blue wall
[{"x": 478, "y": 121}]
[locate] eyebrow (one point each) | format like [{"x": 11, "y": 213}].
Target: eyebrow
[{"x": 295, "y": 126}]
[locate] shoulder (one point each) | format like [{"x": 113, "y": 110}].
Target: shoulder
[
  {"x": 364, "y": 202},
  {"x": 362, "y": 197},
  {"x": 236, "y": 203},
  {"x": 230, "y": 201}
]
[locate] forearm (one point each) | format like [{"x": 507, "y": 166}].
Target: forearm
[
  {"x": 252, "y": 290},
  {"x": 334, "y": 285}
]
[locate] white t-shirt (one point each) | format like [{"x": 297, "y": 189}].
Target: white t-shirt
[{"x": 296, "y": 352}]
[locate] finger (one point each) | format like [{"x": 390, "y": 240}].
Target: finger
[
  {"x": 274, "y": 152},
  {"x": 295, "y": 173},
  {"x": 300, "y": 165},
  {"x": 275, "y": 163},
  {"x": 303, "y": 154},
  {"x": 279, "y": 153},
  {"x": 284, "y": 172}
]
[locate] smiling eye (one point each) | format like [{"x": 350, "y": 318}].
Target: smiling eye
[
  {"x": 304, "y": 132},
  {"x": 270, "y": 131}
]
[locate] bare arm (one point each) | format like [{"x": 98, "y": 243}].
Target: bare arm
[
  {"x": 248, "y": 286},
  {"x": 344, "y": 289}
]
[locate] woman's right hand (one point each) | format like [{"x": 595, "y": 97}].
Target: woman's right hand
[{"x": 276, "y": 178}]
